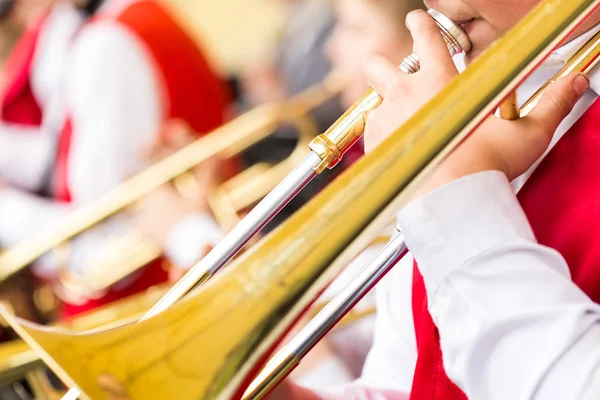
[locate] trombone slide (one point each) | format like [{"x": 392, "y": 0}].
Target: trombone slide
[{"x": 241, "y": 234}]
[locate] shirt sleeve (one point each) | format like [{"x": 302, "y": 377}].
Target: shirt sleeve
[
  {"x": 512, "y": 324},
  {"x": 113, "y": 101},
  {"x": 184, "y": 244},
  {"x": 23, "y": 214},
  {"x": 25, "y": 155}
]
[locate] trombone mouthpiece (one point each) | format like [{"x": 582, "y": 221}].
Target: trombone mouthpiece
[{"x": 455, "y": 37}]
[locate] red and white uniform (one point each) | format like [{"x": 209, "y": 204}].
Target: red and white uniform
[
  {"x": 482, "y": 273},
  {"x": 84, "y": 97}
]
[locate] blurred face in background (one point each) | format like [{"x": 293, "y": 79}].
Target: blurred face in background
[{"x": 365, "y": 27}]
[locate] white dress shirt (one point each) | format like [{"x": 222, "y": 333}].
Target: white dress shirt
[
  {"x": 105, "y": 80},
  {"x": 478, "y": 258},
  {"x": 512, "y": 324},
  {"x": 26, "y": 152}
]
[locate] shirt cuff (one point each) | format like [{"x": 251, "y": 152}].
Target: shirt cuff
[
  {"x": 455, "y": 222},
  {"x": 23, "y": 215},
  {"x": 185, "y": 243}
]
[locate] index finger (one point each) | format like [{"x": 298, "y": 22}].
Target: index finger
[{"x": 429, "y": 44}]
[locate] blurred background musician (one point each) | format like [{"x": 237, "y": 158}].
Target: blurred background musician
[{"x": 88, "y": 86}]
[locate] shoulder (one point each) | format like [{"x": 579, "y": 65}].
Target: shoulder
[
  {"x": 106, "y": 47},
  {"x": 104, "y": 38},
  {"x": 108, "y": 59}
]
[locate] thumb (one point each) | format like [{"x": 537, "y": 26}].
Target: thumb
[
  {"x": 381, "y": 73},
  {"x": 558, "y": 101}
]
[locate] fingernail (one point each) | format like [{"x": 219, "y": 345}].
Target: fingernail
[{"x": 581, "y": 84}]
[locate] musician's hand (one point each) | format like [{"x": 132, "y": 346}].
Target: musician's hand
[
  {"x": 404, "y": 94},
  {"x": 262, "y": 83},
  {"x": 165, "y": 207},
  {"x": 511, "y": 147},
  {"x": 508, "y": 146}
]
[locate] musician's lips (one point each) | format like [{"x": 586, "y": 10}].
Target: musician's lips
[{"x": 465, "y": 23}]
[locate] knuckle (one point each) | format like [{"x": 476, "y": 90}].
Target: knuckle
[{"x": 397, "y": 82}]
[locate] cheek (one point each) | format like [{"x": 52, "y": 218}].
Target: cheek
[
  {"x": 504, "y": 14},
  {"x": 497, "y": 18}
]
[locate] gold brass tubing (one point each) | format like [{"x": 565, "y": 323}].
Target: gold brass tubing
[
  {"x": 346, "y": 130},
  {"x": 16, "y": 359},
  {"x": 276, "y": 370},
  {"x": 583, "y": 61},
  {"x": 16, "y": 258},
  {"x": 283, "y": 363}
]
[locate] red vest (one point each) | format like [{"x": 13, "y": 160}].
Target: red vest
[{"x": 562, "y": 201}]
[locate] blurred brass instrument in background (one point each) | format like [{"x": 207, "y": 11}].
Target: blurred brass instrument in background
[
  {"x": 123, "y": 255},
  {"x": 213, "y": 342}
]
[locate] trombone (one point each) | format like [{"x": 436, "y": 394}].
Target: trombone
[{"x": 248, "y": 306}]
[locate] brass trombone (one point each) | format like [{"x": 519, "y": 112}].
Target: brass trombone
[{"x": 247, "y": 307}]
